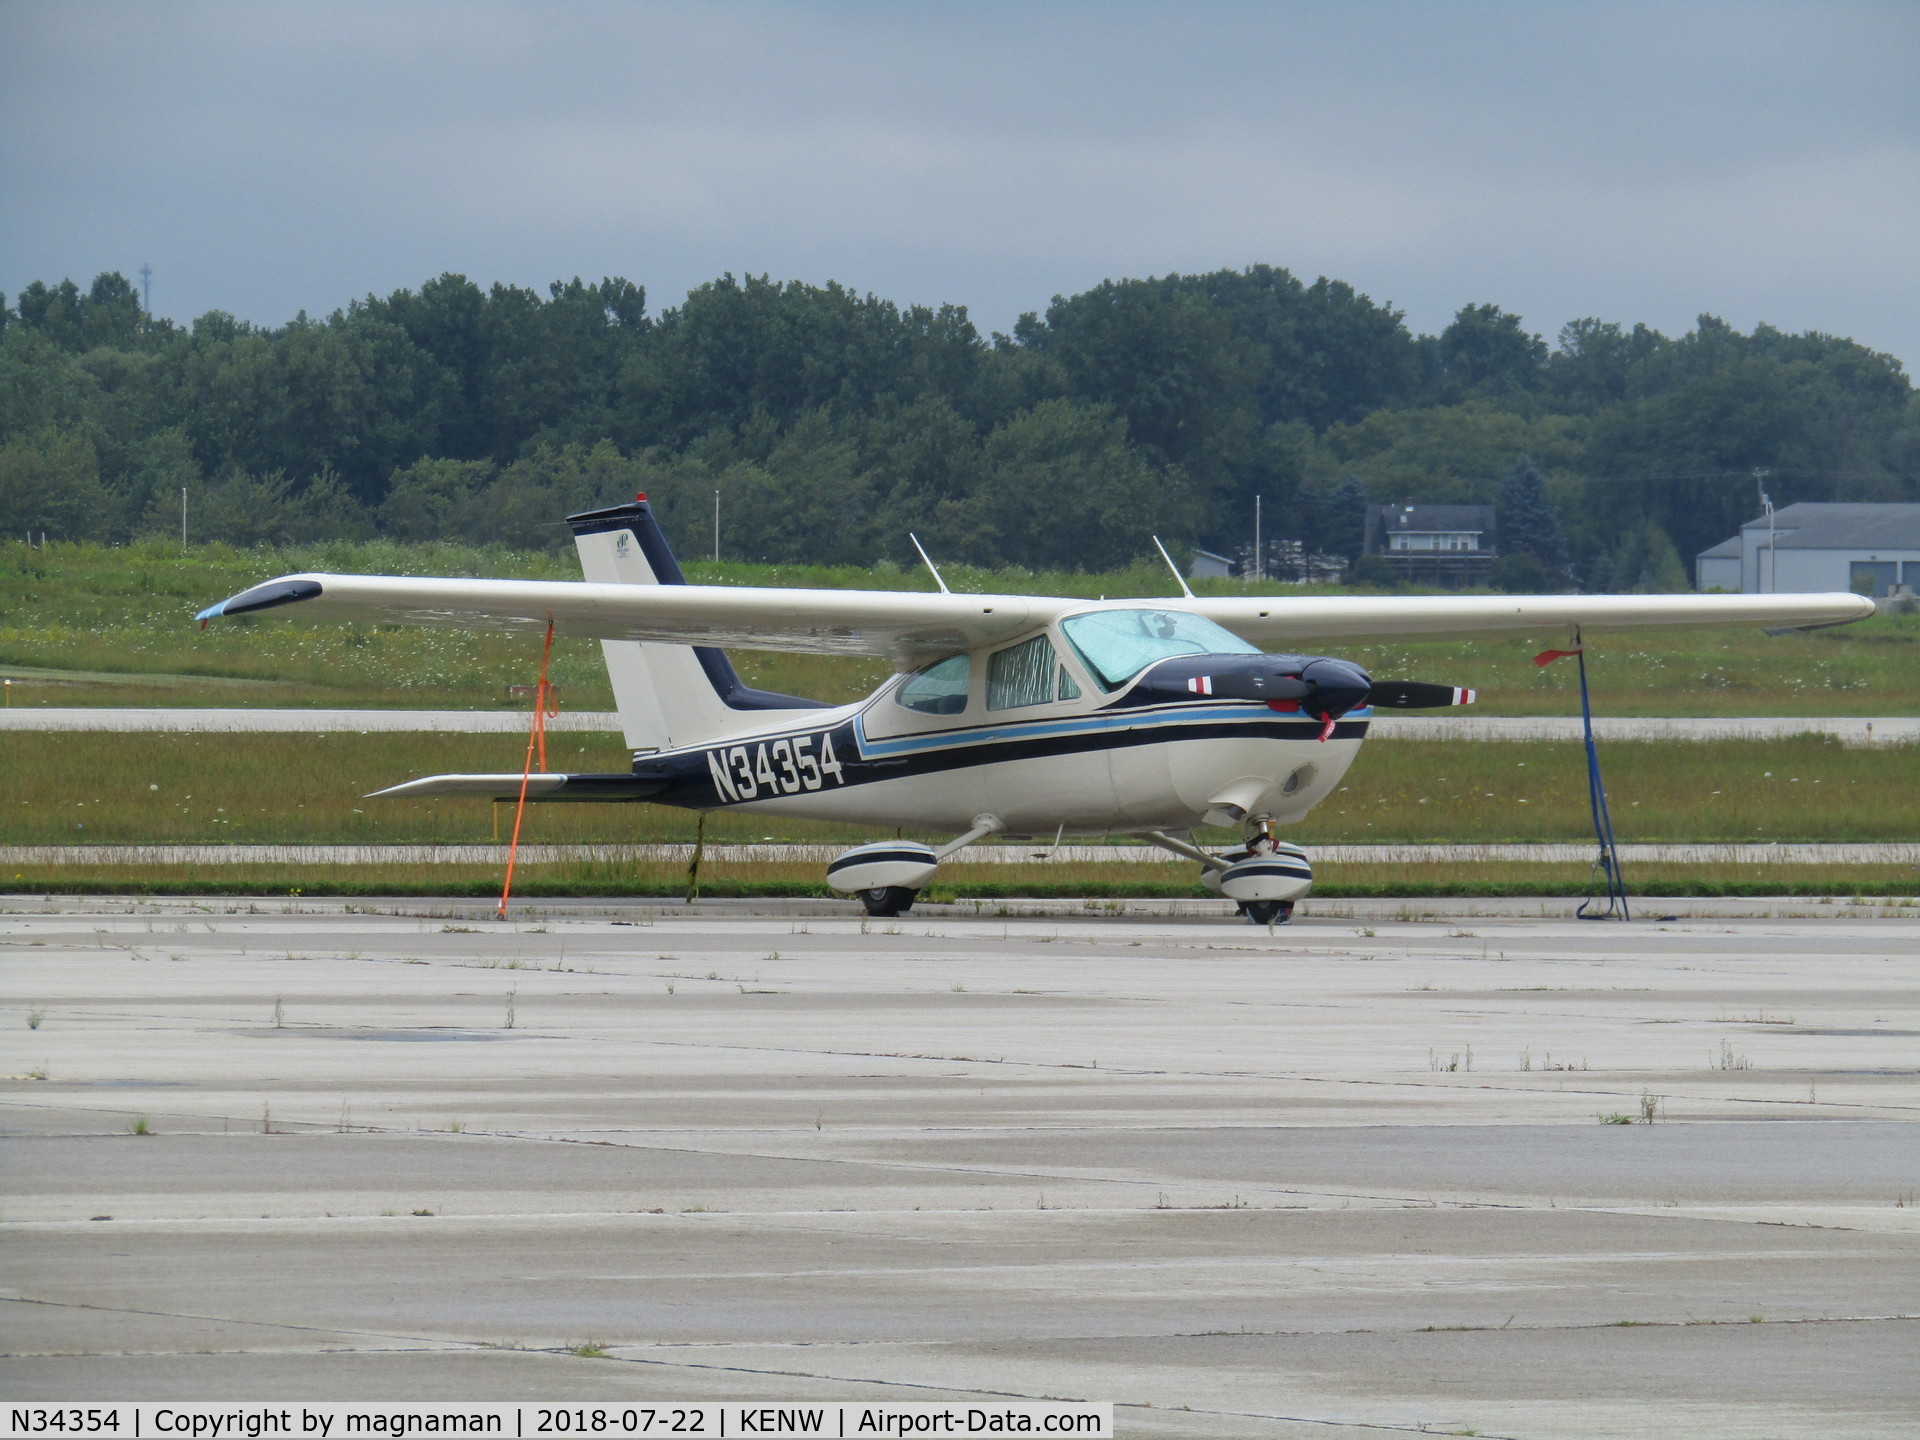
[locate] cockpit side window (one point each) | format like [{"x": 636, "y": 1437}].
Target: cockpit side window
[
  {"x": 1118, "y": 644},
  {"x": 1024, "y": 674},
  {"x": 940, "y": 689}
]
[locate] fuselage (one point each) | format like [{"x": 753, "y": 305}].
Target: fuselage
[{"x": 1035, "y": 734}]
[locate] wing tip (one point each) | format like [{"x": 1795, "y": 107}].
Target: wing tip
[{"x": 287, "y": 590}]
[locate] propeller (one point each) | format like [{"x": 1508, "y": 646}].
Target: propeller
[{"x": 1320, "y": 687}]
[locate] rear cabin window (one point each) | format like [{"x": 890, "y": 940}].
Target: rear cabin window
[
  {"x": 1026, "y": 674},
  {"x": 1118, "y": 644},
  {"x": 939, "y": 689}
]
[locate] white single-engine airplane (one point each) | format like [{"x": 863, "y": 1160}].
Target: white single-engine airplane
[{"x": 1014, "y": 715}]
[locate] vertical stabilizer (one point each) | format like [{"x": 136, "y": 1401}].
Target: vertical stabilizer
[{"x": 667, "y": 695}]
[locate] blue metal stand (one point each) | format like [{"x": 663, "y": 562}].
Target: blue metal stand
[{"x": 1608, "y": 863}]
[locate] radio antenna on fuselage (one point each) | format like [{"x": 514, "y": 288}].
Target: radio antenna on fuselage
[
  {"x": 1179, "y": 579},
  {"x": 929, "y": 563}
]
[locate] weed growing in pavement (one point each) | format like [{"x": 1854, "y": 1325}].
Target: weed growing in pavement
[
  {"x": 139, "y": 1126},
  {"x": 279, "y": 1014},
  {"x": 1729, "y": 1058},
  {"x": 36, "y": 1018}
]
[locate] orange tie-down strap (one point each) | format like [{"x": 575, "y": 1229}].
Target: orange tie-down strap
[{"x": 536, "y": 740}]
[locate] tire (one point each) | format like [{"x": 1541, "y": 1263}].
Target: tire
[
  {"x": 1267, "y": 912},
  {"x": 883, "y": 902}
]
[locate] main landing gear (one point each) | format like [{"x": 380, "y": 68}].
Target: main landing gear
[
  {"x": 884, "y": 902},
  {"x": 888, "y": 875}
]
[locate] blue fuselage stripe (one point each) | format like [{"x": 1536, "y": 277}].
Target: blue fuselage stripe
[{"x": 1218, "y": 713}]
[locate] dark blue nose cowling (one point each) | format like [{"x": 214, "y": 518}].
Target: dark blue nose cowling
[{"x": 1316, "y": 686}]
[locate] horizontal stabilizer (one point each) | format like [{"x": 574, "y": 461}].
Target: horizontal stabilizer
[{"x": 617, "y": 786}]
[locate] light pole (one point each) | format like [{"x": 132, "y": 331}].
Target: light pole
[{"x": 716, "y": 527}]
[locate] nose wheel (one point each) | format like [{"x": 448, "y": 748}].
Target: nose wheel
[
  {"x": 1267, "y": 912},
  {"x": 884, "y": 902}
]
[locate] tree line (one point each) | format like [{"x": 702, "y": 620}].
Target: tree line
[{"x": 832, "y": 422}]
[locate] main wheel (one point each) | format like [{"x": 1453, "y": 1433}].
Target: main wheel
[
  {"x": 886, "y": 901},
  {"x": 1267, "y": 912}
]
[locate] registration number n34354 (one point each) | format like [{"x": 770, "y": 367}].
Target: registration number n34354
[{"x": 774, "y": 767}]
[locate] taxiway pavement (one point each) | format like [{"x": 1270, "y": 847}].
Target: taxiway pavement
[{"x": 1360, "y": 1175}]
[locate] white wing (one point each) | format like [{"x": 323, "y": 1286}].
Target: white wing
[
  {"x": 1288, "y": 620},
  {"x": 910, "y": 625},
  {"x": 903, "y": 625}
]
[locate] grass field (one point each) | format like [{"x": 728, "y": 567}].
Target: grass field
[
  {"x": 95, "y": 625},
  {"x": 1090, "y": 884},
  {"x": 92, "y": 787}
]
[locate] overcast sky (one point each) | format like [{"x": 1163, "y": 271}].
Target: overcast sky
[{"x": 1634, "y": 162}]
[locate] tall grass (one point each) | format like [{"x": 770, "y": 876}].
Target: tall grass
[
  {"x": 127, "y": 612},
  {"x": 92, "y": 787}
]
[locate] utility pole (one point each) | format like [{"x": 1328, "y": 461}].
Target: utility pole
[
  {"x": 146, "y": 288},
  {"x": 1259, "y": 560},
  {"x": 183, "y": 517},
  {"x": 1766, "y": 504},
  {"x": 716, "y": 527}
]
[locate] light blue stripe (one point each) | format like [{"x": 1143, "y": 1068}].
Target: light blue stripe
[{"x": 1248, "y": 713}]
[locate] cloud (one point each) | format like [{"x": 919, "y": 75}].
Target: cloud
[{"x": 1642, "y": 162}]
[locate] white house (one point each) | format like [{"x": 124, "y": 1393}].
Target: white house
[{"x": 1868, "y": 549}]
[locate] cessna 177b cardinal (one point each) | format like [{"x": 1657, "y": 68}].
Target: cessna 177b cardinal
[{"x": 1007, "y": 714}]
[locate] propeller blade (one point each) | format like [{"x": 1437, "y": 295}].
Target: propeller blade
[{"x": 1416, "y": 695}]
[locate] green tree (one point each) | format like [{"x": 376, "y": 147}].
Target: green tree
[
  {"x": 1486, "y": 352},
  {"x": 50, "y": 483},
  {"x": 1644, "y": 562},
  {"x": 1528, "y": 522},
  {"x": 1062, "y": 490}
]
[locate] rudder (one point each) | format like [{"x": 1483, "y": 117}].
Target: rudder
[{"x": 667, "y": 695}]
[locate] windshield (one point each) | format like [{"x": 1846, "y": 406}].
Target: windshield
[{"x": 1118, "y": 644}]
